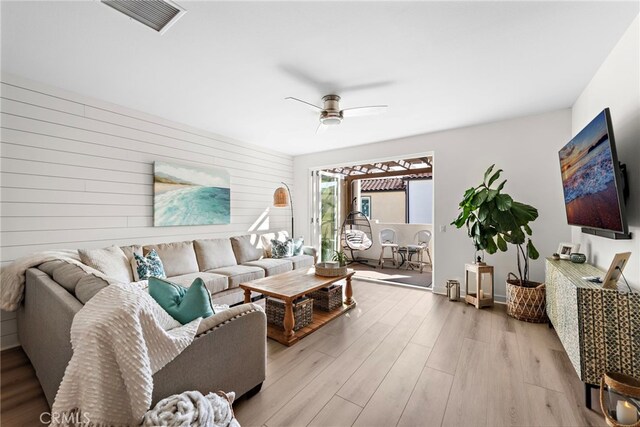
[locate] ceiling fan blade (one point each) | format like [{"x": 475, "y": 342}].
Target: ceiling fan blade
[
  {"x": 364, "y": 111},
  {"x": 304, "y": 102},
  {"x": 321, "y": 128}
]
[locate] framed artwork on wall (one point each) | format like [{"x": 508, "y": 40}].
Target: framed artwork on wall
[
  {"x": 189, "y": 195},
  {"x": 365, "y": 206}
]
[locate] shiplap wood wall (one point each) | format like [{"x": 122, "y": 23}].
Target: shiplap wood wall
[{"x": 78, "y": 173}]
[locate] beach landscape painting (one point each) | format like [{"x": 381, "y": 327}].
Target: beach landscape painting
[
  {"x": 188, "y": 195},
  {"x": 588, "y": 178}
]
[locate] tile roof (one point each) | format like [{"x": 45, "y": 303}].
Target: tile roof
[{"x": 389, "y": 184}]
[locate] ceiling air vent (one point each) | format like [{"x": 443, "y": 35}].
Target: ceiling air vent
[{"x": 156, "y": 14}]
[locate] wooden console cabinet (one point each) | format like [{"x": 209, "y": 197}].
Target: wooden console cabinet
[{"x": 599, "y": 328}]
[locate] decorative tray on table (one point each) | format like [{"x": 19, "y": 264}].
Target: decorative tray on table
[{"x": 330, "y": 269}]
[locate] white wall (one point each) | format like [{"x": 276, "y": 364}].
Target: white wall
[
  {"x": 77, "y": 172},
  {"x": 387, "y": 206},
  {"x": 617, "y": 85},
  {"x": 420, "y": 201},
  {"x": 526, "y": 148}
]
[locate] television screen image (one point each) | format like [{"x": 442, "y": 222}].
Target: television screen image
[{"x": 589, "y": 168}]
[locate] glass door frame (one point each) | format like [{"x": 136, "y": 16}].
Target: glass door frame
[{"x": 317, "y": 210}]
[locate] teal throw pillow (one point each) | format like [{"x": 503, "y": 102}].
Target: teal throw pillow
[
  {"x": 297, "y": 245},
  {"x": 281, "y": 249},
  {"x": 149, "y": 266},
  {"x": 183, "y": 304}
]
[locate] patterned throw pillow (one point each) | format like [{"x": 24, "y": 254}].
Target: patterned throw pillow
[
  {"x": 281, "y": 249},
  {"x": 149, "y": 266}
]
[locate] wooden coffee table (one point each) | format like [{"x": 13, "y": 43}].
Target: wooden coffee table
[{"x": 292, "y": 285}]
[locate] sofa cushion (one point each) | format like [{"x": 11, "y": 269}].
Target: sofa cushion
[
  {"x": 74, "y": 279},
  {"x": 111, "y": 261},
  {"x": 239, "y": 274},
  {"x": 147, "y": 266},
  {"x": 301, "y": 261},
  {"x": 183, "y": 303},
  {"x": 246, "y": 248},
  {"x": 178, "y": 258},
  {"x": 272, "y": 266},
  {"x": 213, "y": 282},
  {"x": 214, "y": 253},
  {"x": 130, "y": 250},
  {"x": 88, "y": 286}
]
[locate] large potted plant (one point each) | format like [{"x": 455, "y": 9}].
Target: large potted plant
[{"x": 493, "y": 221}]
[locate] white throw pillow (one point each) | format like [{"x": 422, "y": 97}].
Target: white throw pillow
[{"x": 112, "y": 262}]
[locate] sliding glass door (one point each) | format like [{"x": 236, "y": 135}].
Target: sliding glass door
[{"x": 326, "y": 202}]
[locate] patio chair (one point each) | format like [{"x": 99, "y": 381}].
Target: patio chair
[
  {"x": 389, "y": 240},
  {"x": 422, "y": 239},
  {"x": 356, "y": 235}
]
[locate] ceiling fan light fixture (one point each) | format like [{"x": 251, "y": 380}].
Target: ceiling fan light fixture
[{"x": 330, "y": 118}]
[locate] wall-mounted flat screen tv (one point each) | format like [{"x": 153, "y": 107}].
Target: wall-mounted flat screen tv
[{"x": 591, "y": 178}]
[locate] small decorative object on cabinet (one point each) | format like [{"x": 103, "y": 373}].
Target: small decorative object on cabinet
[
  {"x": 481, "y": 298},
  {"x": 566, "y": 249},
  {"x": 578, "y": 258},
  {"x": 453, "y": 290},
  {"x": 620, "y": 399},
  {"x": 555, "y": 256}
]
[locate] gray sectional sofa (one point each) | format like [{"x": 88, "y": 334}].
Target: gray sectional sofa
[{"x": 229, "y": 351}]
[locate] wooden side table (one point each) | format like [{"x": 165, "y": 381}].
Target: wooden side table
[{"x": 482, "y": 297}]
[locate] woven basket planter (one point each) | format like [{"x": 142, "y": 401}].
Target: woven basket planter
[
  {"x": 302, "y": 312},
  {"x": 327, "y": 299},
  {"x": 527, "y": 304}
]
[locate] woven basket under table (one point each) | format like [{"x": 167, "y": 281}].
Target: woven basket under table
[
  {"x": 327, "y": 299},
  {"x": 302, "y": 312}
]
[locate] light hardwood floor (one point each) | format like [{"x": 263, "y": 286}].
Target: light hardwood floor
[{"x": 403, "y": 357}]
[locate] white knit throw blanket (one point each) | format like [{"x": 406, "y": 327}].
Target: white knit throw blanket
[
  {"x": 12, "y": 276},
  {"x": 192, "y": 408},
  {"x": 118, "y": 343}
]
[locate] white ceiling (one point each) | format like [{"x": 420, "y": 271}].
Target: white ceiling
[{"x": 227, "y": 66}]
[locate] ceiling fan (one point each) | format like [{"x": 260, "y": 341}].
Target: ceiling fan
[{"x": 331, "y": 114}]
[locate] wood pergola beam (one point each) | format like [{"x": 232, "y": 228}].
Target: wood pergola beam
[{"x": 351, "y": 178}]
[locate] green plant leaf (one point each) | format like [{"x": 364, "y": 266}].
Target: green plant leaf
[
  {"x": 492, "y": 195},
  {"x": 494, "y": 177},
  {"x": 467, "y": 196},
  {"x": 517, "y": 236},
  {"x": 490, "y": 246},
  {"x": 504, "y": 221},
  {"x": 503, "y": 202},
  {"x": 486, "y": 174},
  {"x": 532, "y": 252},
  {"x": 501, "y": 186},
  {"x": 480, "y": 197},
  {"x": 527, "y": 229},
  {"x": 483, "y": 213},
  {"x": 523, "y": 213},
  {"x": 502, "y": 245}
]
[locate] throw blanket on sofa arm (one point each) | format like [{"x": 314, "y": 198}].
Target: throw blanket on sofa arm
[
  {"x": 12, "y": 276},
  {"x": 118, "y": 344}
]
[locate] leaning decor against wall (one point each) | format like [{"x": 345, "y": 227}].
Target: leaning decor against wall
[{"x": 187, "y": 195}]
